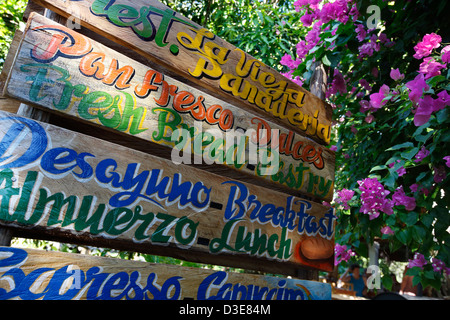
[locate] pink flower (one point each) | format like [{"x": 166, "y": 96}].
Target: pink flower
[
  {"x": 401, "y": 171},
  {"x": 339, "y": 82},
  {"x": 300, "y": 3},
  {"x": 428, "y": 43},
  {"x": 445, "y": 97},
  {"x": 365, "y": 106},
  {"x": 326, "y": 204},
  {"x": 333, "y": 148},
  {"x": 298, "y": 81},
  {"x": 366, "y": 50},
  {"x": 369, "y": 119},
  {"x": 430, "y": 67},
  {"x": 417, "y": 86},
  {"x": 433, "y": 39},
  {"x": 354, "y": 12},
  {"x": 376, "y": 99},
  {"x": 445, "y": 54},
  {"x": 301, "y": 49},
  {"x": 336, "y": 10},
  {"x": 361, "y": 32},
  {"x": 312, "y": 37},
  {"x": 387, "y": 230},
  {"x": 365, "y": 84},
  {"x": 400, "y": 198},
  {"x": 447, "y": 159},
  {"x": 337, "y": 85},
  {"x": 414, "y": 187},
  {"x": 383, "y": 38},
  {"x": 396, "y": 75},
  {"x": 422, "y": 154},
  {"x": 417, "y": 261},
  {"x": 438, "y": 265},
  {"x": 307, "y": 19},
  {"x": 344, "y": 196},
  {"x": 424, "y": 110},
  {"x": 373, "y": 198},
  {"x": 288, "y": 61},
  {"x": 342, "y": 253},
  {"x": 439, "y": 174},
  {"x": 375, "y": 72}
]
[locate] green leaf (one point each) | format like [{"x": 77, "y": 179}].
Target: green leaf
[
  {"x": 435, "y": 283},
  {"x": 416, "y": 280},
  {"x": 326, "y": 61},
  {"x": 377, "y": 168},
  {"x": 423, "y": 138},
  {"x": 429, "y": 274},
  {"x": 419, "y": 233},
  {"x": 409, "y": 218},
  {"x": 404, "y": 236},
  {"x": 442, "y": 116},
  {"x": 435, "y": 80},
  {"x": 387, "y": 281},
  {"x": 421, "y": 176},
  {"x": 410, "y": 154},
  {"x": 414, "y": 271},
  {"x": 401, "y": 146},
  {"x": 332, "y": 38},
  {"x": 389, "y": 181},
  {"x": 427, "y": 220},
  {"x": 344, "y": 239}
]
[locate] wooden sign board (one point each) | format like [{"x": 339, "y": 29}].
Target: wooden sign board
[
  {"x": 59, "y": 69},
  {"x": 167, "y": 38},
  {"x": 61, "y": 184},
  {"x": 28, "y": 274}
]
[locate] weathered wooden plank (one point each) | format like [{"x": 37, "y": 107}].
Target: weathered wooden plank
[
  {"x": 67, "y": 276},
  {"x": 9, "y": 105},
  {"x": 7, "y": 64},
  {"x": 158, "y": 33},
  {"x": 32, "y": 7},
  {"x": 144, "y": 103},
  {"x": 60, "y": 184}
]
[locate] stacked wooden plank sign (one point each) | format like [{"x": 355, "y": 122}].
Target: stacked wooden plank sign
[{"x": 231, "y": 166}]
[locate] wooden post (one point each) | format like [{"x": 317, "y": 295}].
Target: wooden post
[
  {"x": 5, "y": 237},
  {"x": 318, "y": 86},
  {"x": 6, "y": 234},
  {"x": 318, "y": 83}
]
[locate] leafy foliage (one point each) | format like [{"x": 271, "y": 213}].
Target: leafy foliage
[
  {"x": 10, "y": 18},
  {"x": 387, "y": 127},
  {"x": 265, "y": 29}
]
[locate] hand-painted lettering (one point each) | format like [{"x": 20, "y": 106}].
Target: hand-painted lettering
[
  {"x": 64, "y": 43},
  {"x": 59, "y": 162},
  {"x": 141, "y": 21},
  {"x": 241, "y": 202},
  {"x": 98, "y": 283}
]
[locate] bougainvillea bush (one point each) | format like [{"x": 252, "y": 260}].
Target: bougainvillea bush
[{"x": 389, "y": 88}]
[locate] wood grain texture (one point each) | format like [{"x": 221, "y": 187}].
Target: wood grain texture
[
  {"x": 66, "y": 276},
  {"x": 9, "y": 60},
  {"x": 59, "y": 184},
  {"x": 159, "y": 34},
  {"x": 146, "y": 104}
]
